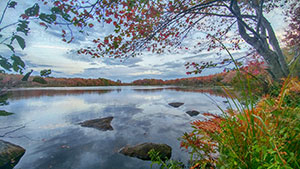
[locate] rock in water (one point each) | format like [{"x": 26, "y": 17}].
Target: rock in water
[
  {"x": 176, "y": 104},
  {"x": 10, "y": 154},
  {"x": 102, "y": 124},
  {"x": 141, "y": 150},
  {"x": 192, "y": 113}
]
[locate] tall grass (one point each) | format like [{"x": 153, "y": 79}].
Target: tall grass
[
  {"x": 262, "y": 134},
  {"x": 254, "y": 132}
]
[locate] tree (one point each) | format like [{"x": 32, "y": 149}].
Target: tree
[
  {"x": 45, "y": 72},
  {"x": 13, "y": 61},
  {"x": 153, "y": 25}
]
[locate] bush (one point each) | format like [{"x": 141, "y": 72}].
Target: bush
[
  {"x": 262, "y": 135},
  {"x": 39, "y": 80}
]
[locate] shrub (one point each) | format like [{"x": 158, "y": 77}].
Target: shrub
[
  {"x": 39, "y": 80},
  {"x": 262, "y": 135}
]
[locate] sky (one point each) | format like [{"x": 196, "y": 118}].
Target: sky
[{"x": 45, "y": 50}]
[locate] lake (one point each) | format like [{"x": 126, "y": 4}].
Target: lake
[{"x": 48, "y": 119}]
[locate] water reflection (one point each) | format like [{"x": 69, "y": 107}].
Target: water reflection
[
  {"x": 141, "y": 114},
  {"x": 23, "y": 94}
]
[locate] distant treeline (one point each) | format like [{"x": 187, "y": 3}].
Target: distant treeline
[
  {"x": 14, "y": 80},
  {"x": 211, "y": 80}
]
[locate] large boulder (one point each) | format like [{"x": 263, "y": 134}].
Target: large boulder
[
  {"x": 176, "y": 104},
  {"x": 102, "y": 124},
  {"x": 193, "y": 113},
  {"x": 141, "y": 150},
  {"x": 10, "y": 154}
]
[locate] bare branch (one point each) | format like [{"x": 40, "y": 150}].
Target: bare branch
[
  {"x": 222, "y": 15},
  {"x": 4, "y": 11},
  {"x": 12, "y": 24}
]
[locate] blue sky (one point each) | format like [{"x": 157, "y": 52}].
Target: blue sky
[{"x": 45, "y": 50}]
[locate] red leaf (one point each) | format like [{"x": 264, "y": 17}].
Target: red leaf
[
  {"x": 91, "y": 25},
  {"x": 24, "y": 16},
  {"x": 56, "y": 3},
  {"x": 109, "y": 20},
  {"x": 43, "y": 24}
]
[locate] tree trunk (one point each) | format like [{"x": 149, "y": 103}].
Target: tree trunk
[
  {"x": 276, "y": 69},
  {"x": 262, "y": 39}
]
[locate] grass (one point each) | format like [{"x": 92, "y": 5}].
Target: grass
[
  {"x": 251, "y": 133},
  {"x": 263, "y": 134}
]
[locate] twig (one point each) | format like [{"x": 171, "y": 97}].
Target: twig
[{"x": 4, "y": 11}]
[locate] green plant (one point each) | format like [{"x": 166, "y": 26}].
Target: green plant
[
  {"x": 45, "y": 72},
  {"x": 164, "y": 164},
  {"x": 5, "y": 113},
  {"x": 39, "y": 80},
  {"x": 257, "y": 135}
]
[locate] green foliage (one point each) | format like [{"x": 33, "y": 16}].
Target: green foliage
[
  {"x": 45, "y": 72},
  {"x": 3, "y": 102},
  {"x": 18, "y": 64},
  {"x": 33, "y": 11},
  {"x": 20, "y": 40},
  {"x": 12, "y": 4},
  {"x": 258, "y": 135},
  {"x": 23, "y": 27},
  {"x": 4, "y": 63},
  {"x": 3, "y": 99},
  {"x": 39, "y": 80},
  {"x": 5, "y": 113},
  {"x": 26, "y": 76},
  {"x": 47, "y": 18},
  {"x": 164, "y": 164}
]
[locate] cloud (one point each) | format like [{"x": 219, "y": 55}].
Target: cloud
[
  {"x": 29, "y": 64},
  {"x": 171, "y": 65},
  {"x": 55, "y": 47},
  {"x": 204, "y": 55},
  {"x": 130, "y": 62},
  {"x": 147, "y": 72}
]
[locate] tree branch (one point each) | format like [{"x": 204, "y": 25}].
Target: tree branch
[
  {"x": 12, "y": 24},
  {"x": 4, "y": 11},
  {"x": 223, "y": 15},
  {"x": 259, "y": 15},
  {"x": 235, "y": 10}
]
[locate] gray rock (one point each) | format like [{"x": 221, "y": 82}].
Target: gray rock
[
  {"x": 10, "y": 154},
  {"x": 102, "y": 124},
  {"x": 176, "y": 104},
  {"x": 141, "y": 150},
  {"x": 193, "y": 113}
]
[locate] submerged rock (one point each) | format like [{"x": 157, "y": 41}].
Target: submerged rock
[
  {"x": 141, "y": 150},
  {"x": 10, "y": 154},
  {"x": 176, "y": 104},
  {"x": 193, "y": 113},
  {"x": 102, "y": 124}
]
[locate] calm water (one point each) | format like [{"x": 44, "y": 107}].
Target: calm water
[{"x": 53, "y": 139}]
